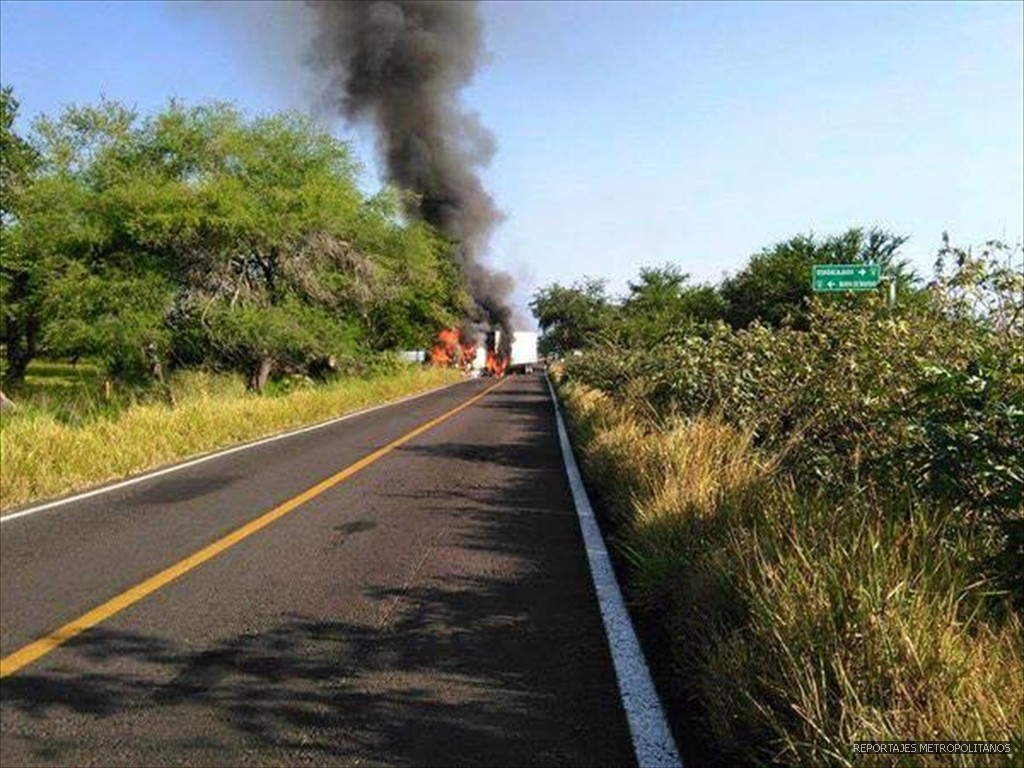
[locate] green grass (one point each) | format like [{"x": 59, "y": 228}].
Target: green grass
[
  {"x": 66, "y": 436},
  {"x": 797, "y": 621}
]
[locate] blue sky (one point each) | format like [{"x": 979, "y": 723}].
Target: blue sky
[{"x": 637, "y": 134}]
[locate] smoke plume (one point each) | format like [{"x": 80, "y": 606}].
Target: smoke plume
[{"x": 399, "y": 66}]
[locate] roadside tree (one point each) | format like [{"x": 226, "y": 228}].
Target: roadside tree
[{"x": 573, "y": 318}]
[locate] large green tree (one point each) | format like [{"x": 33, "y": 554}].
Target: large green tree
[
  {"x": 100, "y": 291},
  {"x": 775, "y": 284},
  {"x": 19, "y": 310},
  {"x": 202, "y": 236},
  {"x": 17, "y": 157},
  {"x": 661, "y": 302},
  {"x": 572, "y": 318}
]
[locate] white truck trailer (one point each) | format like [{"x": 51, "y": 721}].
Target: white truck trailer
[{"x": 523, "y": 356}]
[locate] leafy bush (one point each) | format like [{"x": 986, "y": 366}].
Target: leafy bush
[
  {"x": 928, "y": 398},
  {"x": 796, "y": 622},
  {"x": 825, "y": 520}
]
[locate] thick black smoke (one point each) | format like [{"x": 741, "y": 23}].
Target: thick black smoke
[{"x": 400, "y": 66}]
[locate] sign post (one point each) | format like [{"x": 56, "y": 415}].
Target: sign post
[{"x": 839, "y": 278}]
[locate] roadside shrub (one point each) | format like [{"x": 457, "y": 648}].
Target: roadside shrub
[
  {"x": 800, "y": 622},
  {"x": 927, "y": 398},
  {"x": 827, "y": 523}
]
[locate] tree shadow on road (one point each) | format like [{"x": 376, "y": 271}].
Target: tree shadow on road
[{"x": 503, "y": 667}]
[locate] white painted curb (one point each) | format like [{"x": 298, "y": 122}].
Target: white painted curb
[
  {"x": 653, "y": 744},
  {"x": 217, "y": 454}
]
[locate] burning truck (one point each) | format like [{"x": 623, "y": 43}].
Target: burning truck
[{"x": 485, "y": 353}]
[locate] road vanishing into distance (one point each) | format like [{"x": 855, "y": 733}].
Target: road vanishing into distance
[{"x": 348, "y": 595}]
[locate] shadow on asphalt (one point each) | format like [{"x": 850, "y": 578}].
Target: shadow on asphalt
[
  {"x": 520, "y": 641},
  {"x": 179, "y": 489}
]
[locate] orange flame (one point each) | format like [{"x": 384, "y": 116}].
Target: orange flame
[
  {"x": 446, "y": 350},
  {"x": 452, "y": 351},
  {"x": 496, "y": 364}
]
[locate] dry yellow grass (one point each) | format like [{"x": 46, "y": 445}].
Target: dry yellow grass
[
  {"x": 799, "y": 621},
  {"x": 40, "y": 457}
]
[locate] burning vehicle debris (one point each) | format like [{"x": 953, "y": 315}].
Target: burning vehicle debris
[
  {"x": 453, "y": 349},
  {"x": 485, "y": 352}
]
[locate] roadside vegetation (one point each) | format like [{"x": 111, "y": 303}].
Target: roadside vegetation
[
  {"x": 156, "y": 269},
  {"x": 73, "y": 442},
  {"x": 199, "y": 237},
  {"x": 819, "y": 502}
]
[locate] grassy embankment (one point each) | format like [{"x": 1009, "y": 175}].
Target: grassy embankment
[
  {"x": 827, "y": 532},
  {"x": 65, "y": 436},
  {"x": 796, "y": 623}
]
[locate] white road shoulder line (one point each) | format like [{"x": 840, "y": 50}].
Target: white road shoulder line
[
  {"x": 653, "y": 744},
  {"x": 217, "y": 455}
]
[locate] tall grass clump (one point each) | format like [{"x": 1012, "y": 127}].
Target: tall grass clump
[
  {"x": 44, "y": 453},
  {"x": 797, "y": 621},
  {"x": 823, "y": 526}
]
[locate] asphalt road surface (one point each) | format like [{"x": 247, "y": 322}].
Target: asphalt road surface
[{"x": 434, "y": 608}]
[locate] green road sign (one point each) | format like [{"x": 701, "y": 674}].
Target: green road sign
[{"x": 833, "y": 278}]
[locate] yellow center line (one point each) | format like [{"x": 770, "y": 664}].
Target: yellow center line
[{"x": 39, "y": 648}]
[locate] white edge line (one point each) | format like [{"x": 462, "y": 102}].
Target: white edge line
[
  {"x": 653, "y": 743},
  {"x": 219, "y": 453}
]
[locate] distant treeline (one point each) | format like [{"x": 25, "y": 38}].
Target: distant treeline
[
  {"x": 773, "y": 288},
  {"x": 199, "y": 236}
]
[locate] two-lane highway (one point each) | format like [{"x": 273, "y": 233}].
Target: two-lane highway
[{"x": 429, "y": 606}]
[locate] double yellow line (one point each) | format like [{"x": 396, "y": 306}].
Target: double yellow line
[{"x": 39, "y": 648}]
